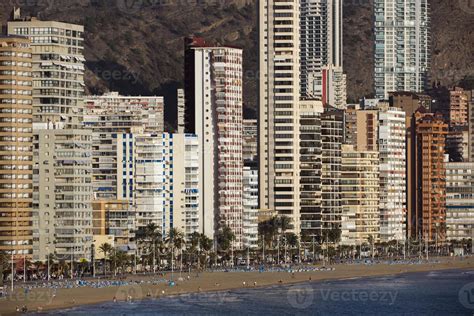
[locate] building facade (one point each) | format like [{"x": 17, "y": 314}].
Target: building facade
[
  {"x": 112, "y": 114},
  {"x": 360, "y": 196},
  {"x": 402, "y": 46},
  {"x": 159, "y": 175},
  {"x": 279, "y": 94},
  {"x": 114, "y": 218},
  {"x": 362, "y": 128},
  {"x": 430, "y": 213},
  {"x": 334, "y": 87},
  {"x": 58, "y": 69},
  {"x": 321, "y": 40},
  {"x": 458, "y": 106},
  {"x": 250, "y": 201},
  {"x": 310, "y": 167},
  {"x": 332, "y": 138},
  {"x": 459, "y": 200},
  {"x": 62, "y": 186},
  {"x": 250, "y": 143},
  {"x": 392, "y": 156},
  {"x": 215, "y": 105},
  {"x": 16, "y": 146}
]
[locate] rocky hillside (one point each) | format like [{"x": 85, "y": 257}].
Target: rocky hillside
[{"x": 136, "y": 46}]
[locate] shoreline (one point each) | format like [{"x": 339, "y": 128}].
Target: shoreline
[{"x": 46, "y": 299}]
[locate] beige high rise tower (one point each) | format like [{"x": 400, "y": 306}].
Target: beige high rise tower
[
  {"x": 16, "y": 136},
  {"x": 279, "y": 92},
  {"x": 58, "y": 65},
  {"x": 62, "y": 209}
]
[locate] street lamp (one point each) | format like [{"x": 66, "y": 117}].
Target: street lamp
[{"x": 47, "y": 258}]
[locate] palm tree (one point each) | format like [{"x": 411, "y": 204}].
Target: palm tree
[
  {"x": 148, "y": 238},
  {"x": 175, "y": 240},
  {"x": 205, "y": 244},
  {"x": 284, "y": 223},
  {"x": 121, "y": 260},
  {"x": 268, "y": 229},
  {"x": 106, "y": 249},
  {"x": 371, "y": 243},
  {"x": 292, "y": 241},
  {"x": 4, "y": 260},
  {"x": 225, "y": 239},
  {"x": 83, "y": 264}
]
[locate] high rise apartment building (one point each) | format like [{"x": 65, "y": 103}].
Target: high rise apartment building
[
  {"x": 332, "y": 138},
  {"x": 311, "y": 167},
  {"x": 16, "y": 144},
  {"x": 334, "y": 87},
  {"x": 321, "y": 54},
  {"x": 360, "y": 196},
  {"x": 410, "y": 103},
  {"x": 402, "y": 46},
  {"x": 458, "y": 106},
  {"x": 159, "y": 175},
  {"x": 471, "y": 127},
  {"x": 58, "y": 70},
  {"x": 62, "y": 209},
  {"x": 214, "y": 112},
  {"x": 429, "y": 218},
  {"x": 250, "y": 141},
  {"x": 112, "y": 114},
  {"x": 362, "y": 127},
  {"x": 250, "y": 204},
  {"x": 392, "y": 159},
  {"x": 62, "y": 194},
  {"x": 181, "y": 106},
  {"x": 279, "y": 94},
  {"x": 459, "y": 200}
]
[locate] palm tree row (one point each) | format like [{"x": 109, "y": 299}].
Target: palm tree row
[{"x": 198, "y": 251}]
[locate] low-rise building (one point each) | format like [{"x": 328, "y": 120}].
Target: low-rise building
[{"x": 459, "y": 200}]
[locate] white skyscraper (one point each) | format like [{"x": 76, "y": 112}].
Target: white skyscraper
[
  {"x": 214, "y": 112},
  {"x": 321, "y": 40},
  {"x": 279, "y": 93},
  {"x": 250, "y": 201},
  {"x": 392, "y": 154},
  {"x": 159, "y": 175},
  {"x": 402, "y": 46}
]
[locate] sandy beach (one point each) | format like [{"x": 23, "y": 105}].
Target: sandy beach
[{"x": 44, "y": 299}]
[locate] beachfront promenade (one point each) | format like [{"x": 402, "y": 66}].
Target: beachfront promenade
[{"x": 42, "y": 296}]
